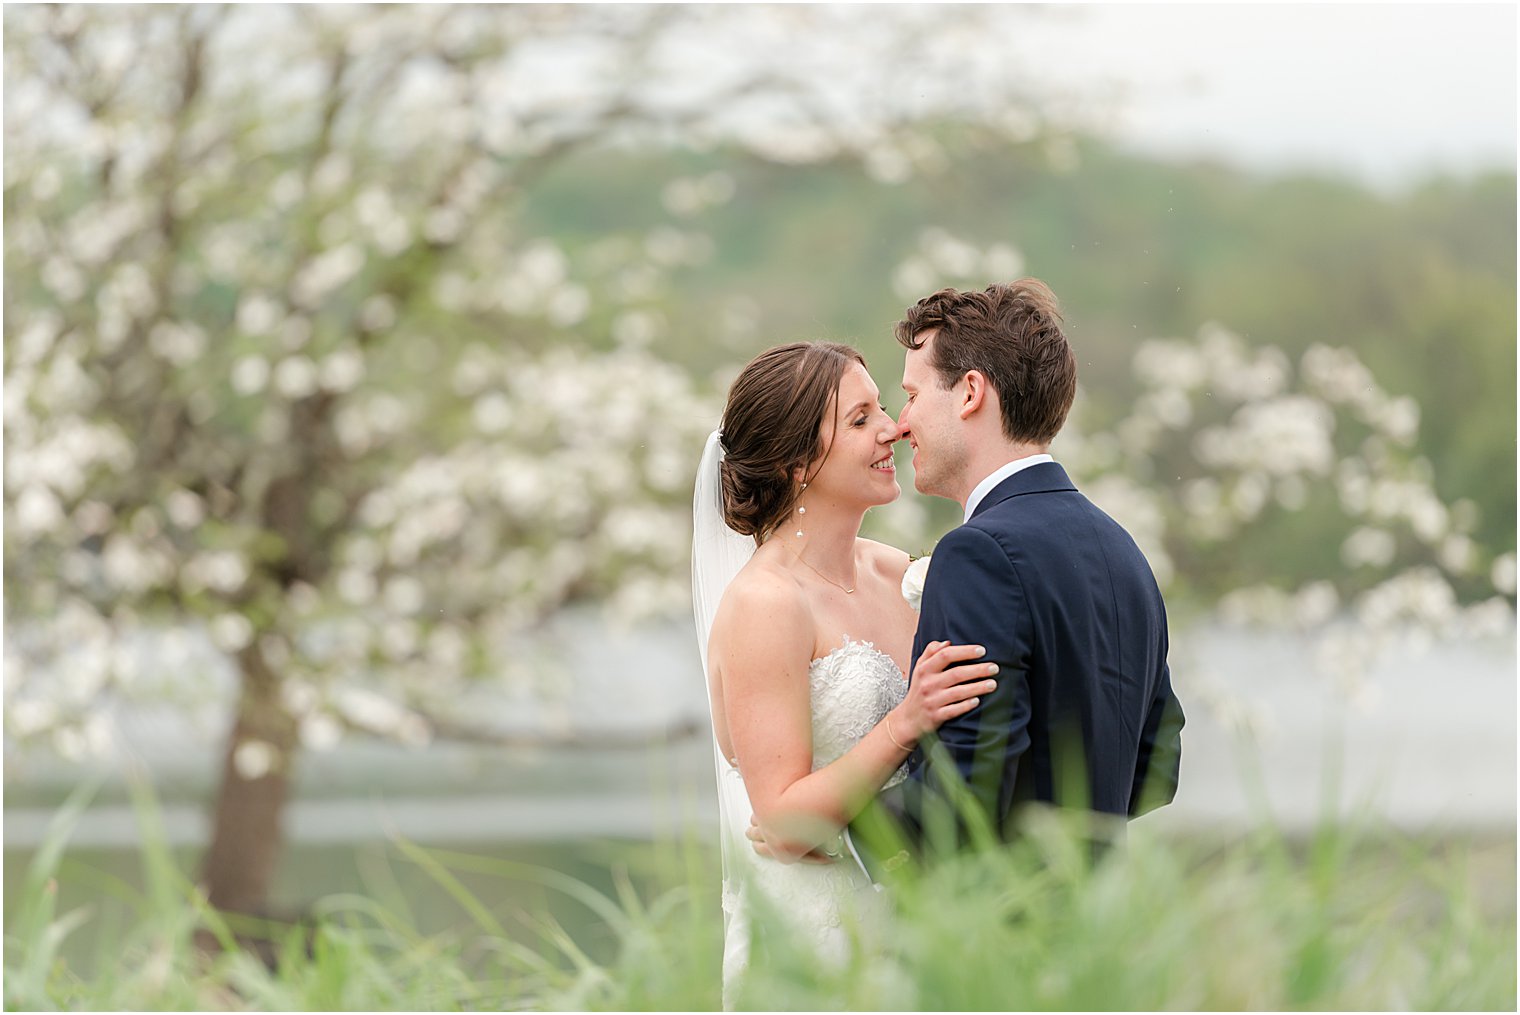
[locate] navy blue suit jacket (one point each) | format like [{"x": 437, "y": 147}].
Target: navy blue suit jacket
[{"x": 1066, "y": 605}]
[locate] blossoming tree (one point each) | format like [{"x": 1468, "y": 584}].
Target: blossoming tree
[{"x": 282, "y": 363}]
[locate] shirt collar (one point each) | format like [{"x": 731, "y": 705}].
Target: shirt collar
[{"x": 985, "y": 486}]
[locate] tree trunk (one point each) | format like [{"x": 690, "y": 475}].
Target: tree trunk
[{"x": 246, "y": 835}]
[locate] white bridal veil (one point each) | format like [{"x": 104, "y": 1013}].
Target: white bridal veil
[
  {"x": 717, "y": 551},
  {"x": 717, "y": 554}
]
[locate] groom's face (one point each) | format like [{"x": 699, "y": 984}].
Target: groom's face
[{"x": 932, "y": 425}]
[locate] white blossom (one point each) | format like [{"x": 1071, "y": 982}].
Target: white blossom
[
  {"x": 635, "y": 328},
  {"x": 492, "y": 413},
  {"x": 130, "y": 566},
  {"x": 320, "y": 732},
  {"x": 326, "y": 273},
  {"x": 287, "y": 189},
  {"x": 447, "y": 647},
  {"x": 443, "y": 225},
  {"x": 1492, "y": 618},
  {"x": 1368, "y": 547},
  {"x": 1419, "y": 596},
  {"x": 542, "y": 264},
  {"x": 1315, "y": 604},
  {"x": 223, "y": 571},
  {"x": 366, "y": 709},
  {"x": 303, "y": 599},
  {"x": 399, "y": 639},
  {"x": 64, "y": 279},
  {"x": 1502, "y": 574},
  {"x": 46, "y": 184},
  {"x": 1170, "y": 406},
  {"x": 356, "y": 586},
  {"x": 913, "y": 278},
  {"x": 30, "y": 716},
  {"x": 1338, "y": 376},
  {"x": 1249, "y": 495},
  {"x": 257, "y": 314},
  {"x": 231, "y": 632},
  {"x": 1002, "y": 262},
  {"x": 36, "y": 338},
  {"x": 254, "y": 759},
  {"x": 184, "y": 509},
  {"x": 1456, "y": 553},
  {"x": 296, "y": 377},
  {"x": 404, "y": 595},
  {"x": 70, "y": 743},
  {"x": 378, "y": 313},
  {"x": 687, "y": 196},
  {"x": 1399, "y": 419},
  {"x": 37, "y": 510},
  {"x": 342, "y": 370},
  {"x": 1283, "y": 436},
  {"x": 332, "y": 173},
  {"x": 250, "y": 374}
]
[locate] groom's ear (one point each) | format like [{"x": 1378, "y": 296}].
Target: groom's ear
[{"x": 974, "y": 393}]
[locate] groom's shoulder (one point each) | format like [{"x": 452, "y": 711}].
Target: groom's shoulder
[
  {"x": 1003, "y": 528},
  {"x": 974, "y": 538}
]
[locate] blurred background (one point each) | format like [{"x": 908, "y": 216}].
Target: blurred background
[{"x": 358, "y": 359}]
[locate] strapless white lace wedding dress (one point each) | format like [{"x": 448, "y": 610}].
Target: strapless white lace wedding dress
[{"x": 852, "y": 689}]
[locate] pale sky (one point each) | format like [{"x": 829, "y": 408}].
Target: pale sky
[{"x": 1384, "y": 91}]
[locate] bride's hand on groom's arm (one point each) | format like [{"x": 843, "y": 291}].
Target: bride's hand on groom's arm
[{"x": 941, "y": 690}]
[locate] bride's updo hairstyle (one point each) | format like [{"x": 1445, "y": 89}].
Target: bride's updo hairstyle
[{"x": 772, "y": 426}]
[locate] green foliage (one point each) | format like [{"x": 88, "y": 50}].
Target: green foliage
[
  {"x": 1420, "y": 285},
  {"x": 1355, "y": 917}
]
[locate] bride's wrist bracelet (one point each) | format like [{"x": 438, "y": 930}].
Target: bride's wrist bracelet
[{"x": 888, "y": 720}]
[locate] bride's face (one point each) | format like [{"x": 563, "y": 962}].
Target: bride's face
[{"x": 858, "y": 435}]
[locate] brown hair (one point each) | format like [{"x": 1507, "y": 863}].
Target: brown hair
[
  {"x": 1011, "y": 334},
  {"x": 772, "y": 425}
]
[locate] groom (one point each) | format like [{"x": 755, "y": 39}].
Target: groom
[{"x": 1083, "y": 716}]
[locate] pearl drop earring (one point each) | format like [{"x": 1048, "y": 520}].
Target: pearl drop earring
[{"x": 801, "y": 510}]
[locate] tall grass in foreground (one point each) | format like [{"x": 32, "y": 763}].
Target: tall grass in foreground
[{"x": 1347, "y": 920}]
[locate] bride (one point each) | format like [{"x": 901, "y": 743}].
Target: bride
[{"x": 806, "y": 638}]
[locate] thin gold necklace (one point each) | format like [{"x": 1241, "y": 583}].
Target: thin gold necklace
[{"x": 846, "y": 591}]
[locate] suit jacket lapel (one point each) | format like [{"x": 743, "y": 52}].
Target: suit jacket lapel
[{"x": 1047, "y": 477}]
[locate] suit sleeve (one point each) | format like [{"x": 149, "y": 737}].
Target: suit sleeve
[
  {"x": 1160, "y": 757},
  {"x": 972, "y": 595}
]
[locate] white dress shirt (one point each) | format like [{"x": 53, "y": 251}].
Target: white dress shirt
[{"x": 983, "y": 488}]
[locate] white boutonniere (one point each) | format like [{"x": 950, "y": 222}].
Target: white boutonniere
[{"x": 913, "y": 581}]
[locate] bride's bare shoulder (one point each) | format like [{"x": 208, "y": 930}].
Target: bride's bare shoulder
[
  {"x": 762, "y": 622},
  {"x": 887, "y": 560},
  {"x": 762, "y": 593}
]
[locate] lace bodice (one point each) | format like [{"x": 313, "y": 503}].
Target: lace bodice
[{"x": 853, "y": 688}]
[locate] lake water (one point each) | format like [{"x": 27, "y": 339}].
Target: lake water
[{"x": 1430, "y": 746}]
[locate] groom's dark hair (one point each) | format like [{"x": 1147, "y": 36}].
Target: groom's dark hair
[
  {"x": 772, "y": 426},
  {"x": 1011, "y": 334}
]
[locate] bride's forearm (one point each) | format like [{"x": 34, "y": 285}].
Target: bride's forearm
[{"x": 813, "y": 809}]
